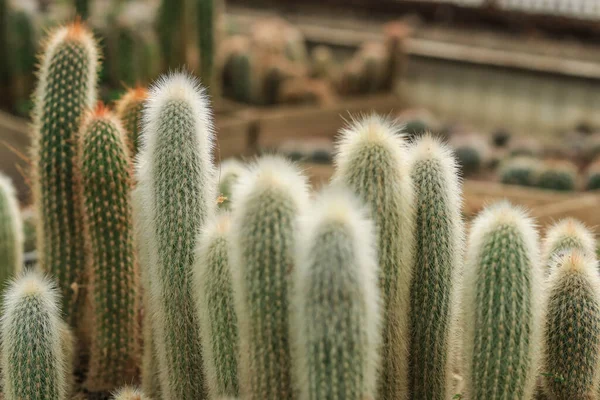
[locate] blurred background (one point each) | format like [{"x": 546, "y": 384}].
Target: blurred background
[{"x": 513, "y": 85}]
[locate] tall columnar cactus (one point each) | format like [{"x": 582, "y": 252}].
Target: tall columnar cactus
[
  {"x": 269, "y": 197},
  {"x": 438, "y": 250},
  {"x": 563, "y": 236},
  {"x": 371, "y": 161},
  {"x": 129, "y": 393},
  {"x": 215, "y": 302},
  {"x": 22, "y": 44},
  {"x": 66, "y": 89},
  {"x": 177, "y": 175},
  {"x": 207, "y": 25},
  {"x": 336, "y": 301},
  {"x": 104, "y": 166},
  {"x": 33, "y": 361},
  {"x": 172, "y": 32},
  {"x": 129, "y": 109},
  {"x": 571, "y": 340},
  {"x": 229, "y": 173},
  {"x": 11, "y": 232},
  {"x": 502, "y": 287}
]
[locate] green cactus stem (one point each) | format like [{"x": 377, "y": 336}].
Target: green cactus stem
[
  {"x": 129, "y": 109},
  {"x": 229, "y": 173},
  {"x": 11, "y": 232}
]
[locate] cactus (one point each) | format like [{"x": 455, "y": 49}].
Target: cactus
[
  {"x": 469, "y": 158},
  {"x": 4, "y": 47},
  {"x": 82, "y": 8},
  {"x": 207, "y": 22},
  {"x": 561, "y": 176},
  {"x": 129, "y": 109},
  {"x": 67, "y": 343},
  {"x": 336, "y": 301},
  {"x": 502, "y": 287},
  {"x": 565, "y": 235},
  {"x": 214, "y": 299},
  {"x": 229, "y": 173},
  {"x": 571, "y": 339},
  {"x": 521, "y": 170},
  {"x": 22, "y": 43},
  {"x": 105, "y": 183},
  {"x": 33, "y": 361},
  {"x": 30, "y": 221},
  {"x": 439, "y": 236},
  {"x": 172, "y": 32},
  {"x": 371, "y": 162},
  {"x": 11, "y": 232},
  {"x": 593, "y": 176},
  {"x": 268, "y": 198},
  {"x": 129, "y": 393},
  {"x": 241, "y": 65},
  {"x": 177, "y": 174},
  {"x": 70, "y": 60}
]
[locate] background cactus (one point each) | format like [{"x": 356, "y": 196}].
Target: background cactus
[
  {"x": 70, "y": 60},
  {"x": 11, "y": 232},
  {"x": 33, "y": 361},
  {"x": 268, "y": 198},
  {"x": 177, "y": 174},
  {"x": 105, "y": 184},
  {"x": 82, "y": 8},
  {"x": 172, "y": 31},
  {"x": 229, "y": 173},
  {"x": 502, "y": 287},
  {"x": 563, "y": 236},
  {"x": 129, "y": 393},
  {"x": 593, "y": 176},
  {"x": 336, "y": 301},
  {"x": 561, "y": 176},
  {"x": 439, "y": 236},
  {"x": 129, "y": 109},
  {"x": 207, "y": 27},
  {"x": 371, "y": 162},
  {"x": 215, "y": 302},
  {"x": 571, "y": 351},
  {"x": 22, "y": 44},
  {"x": 521, "y": 170}
]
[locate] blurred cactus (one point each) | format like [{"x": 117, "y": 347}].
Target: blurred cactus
[
  {"x": 229, "y": 173},
  {"x": 30, "y": 221},
  {"x": 33, "y": 361},
  {"x": 521, "y": 170},
  {"x": 22, "y": 45},
  {"x": 336, "y": 302},
  {"x": 565, "y": 235},
  {"x": 593, "y": 176},
  {"x": 129, "y": 393},
  {"x": 571, "y": 342},
  {"x": 4, "y": 47},
  {"x": 268, "y": 199},
  {"x": 439, "y": 236},
  {"x": 215, "y": 302},
  {"x": 66, "y": 89},
  {"x": 371, "y": 161},
  {"x": 322, "y": 63},
  {"x": 557, "y": 175},
  {"x": 82, "y": 8},
  {"x": 129, "y": 109},
  {"x": 105, "y": 183},
  {"x": 67, "y": 343},
  {"x": 11, "y": 232},
  {"x": 502, "y": 290},
  {"x": 177, "y": 177},
  {"x": 172, "y": 30},
  {"x": 207, "y": 30}
]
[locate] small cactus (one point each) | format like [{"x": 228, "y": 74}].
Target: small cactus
[
  {"x": 438, "y": 249},
  {"x": 336, "y": 301},
  {"x": 502, "y": 287},
  {"x": 520, "y": 170},
  {"x": 129, "y": 110},
  {"x": 571, "y": 340},
  {"x": 11, "y": 232},
  {"x": 268, "y": 199},
  {"x": 229, "y": 173},
  {"x": 66, "y": 90},
  {"x": 105, "y": 183},
  {"x": 593, "y": 176},
  {"x": 215, "y": 302},
  {"x": 566, "y": 235},
  {"x": 560, "y": 176},
  {"x": 371, "y": 162},
  {"x": 129, "y": 393},
  {"x": 33, "y": 361},
  {"x": 177, "y": 175}
]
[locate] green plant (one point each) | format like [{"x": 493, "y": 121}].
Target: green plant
[
  {"x": 567, "y": 234},
  {"x": 30, "y": 222},
  {"x": 129, "y": 109},
  {"x": 336, "y": 301},
  {"x": 502, "y": 287},
  {"x": 11, "y": 232},
  {"x": 105, "y": 184},
  {"x": 33, "y": 361},
  {"x": 571, "y": 342},
  {"x": 215, "y": 302},
  {"x": 207, "y": 23},
  {"x": 172, "y": 29},
  {"x": 521, "y": 170},
  {"x": 593, "y": 176},
  {"x": 66, "y": 90},
  {"x": 22, "y": 44},
  {"x": 438, "y": 251},
  {"x": 268, "y": 199},
  {"x": 177, "y": 177},
  {"x": 82, "y": 8},
  {"x": 555, "y": 175},
  {"x": 130, "y": 393},
  {"x": 371, "y": 162},
  {"x": 229, "y": 174}
]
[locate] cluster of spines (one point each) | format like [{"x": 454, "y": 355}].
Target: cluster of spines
[
  {"x": 34, "y": 364},
  {"x": 502, "y": 287},
  {"x": 104, "y": 168},
  {"x": 371, "y": 162},
  {"x": 336, "y": 319},
  {"x": 437, "y": 267},
  {"x": 11, "y": 232},
  {"x": 130, "y": 393},
  {"x": 129, "y": 109},
  {"x": 571, "y": 338},
  {"x": 66, "y": 90},
  {"x": 215, "y": 302},
  {"x": 268, "y": 199},
  {"x": 176, "y": 173}
]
